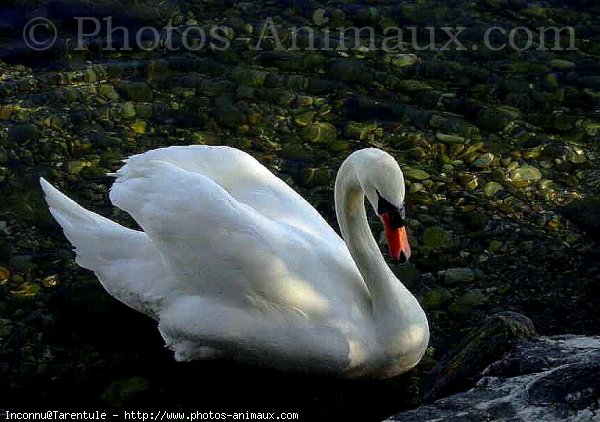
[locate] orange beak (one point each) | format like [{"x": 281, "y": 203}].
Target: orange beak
[{"x": 397, "y": 240}]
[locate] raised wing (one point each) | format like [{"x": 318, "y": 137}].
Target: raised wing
[
  {"x": 124, "y": 260},
  {"x": 245, "y": 179}
]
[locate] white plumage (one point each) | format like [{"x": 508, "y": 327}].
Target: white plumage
[{"x": 231, "y": 261}]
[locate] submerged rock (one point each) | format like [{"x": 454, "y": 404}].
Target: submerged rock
[{"x": 458, "y": 275}]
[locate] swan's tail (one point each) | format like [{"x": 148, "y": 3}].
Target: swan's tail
[{"x": 124, "y": 260}]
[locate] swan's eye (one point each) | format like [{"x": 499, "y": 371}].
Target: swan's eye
[{"x": 396, "y": 214}]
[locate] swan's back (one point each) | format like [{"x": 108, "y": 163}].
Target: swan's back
[{"x": 242, "y": 177}]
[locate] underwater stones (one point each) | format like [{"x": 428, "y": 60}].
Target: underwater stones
[
  {"x": 495, "y": 120},
  {"x": 454, "y": 276},
  {"x": 22, "y": 263},
  {"x": 492, "y": 188},
  {"x": 313, "y": 177},
  {"x": 525, "y": 174},
  {"x": 139, "y": 127},
  {"x": 363, "y": 130},
  {"x": 353, "y": 70},
  {"x": 304, "y": 101},
  {"x": 50, "y": 281},
  {"x": 320, "y": 132},
  {"x": 562, "y": 64},
  {"x": 415, "y": 187},
  {"x": 551, "y": 81},
  {"x": 104, "y": 139},
  {"x": 450, "y": 139},
  {"x": 435, "y": 238},
  {"x": 403, "y": 60},
  {"x": 4, "y": 275},
  {"x": 465, "y": 303},
  {"x": 436, "y": 298},
  {"x": 24, "y": 132},
  {"x": 483, "y": 161},
  {"x": 305, "y": 118},
  {"x": 127, "y": 110},
  {"x": 108, "y": 92},
  {"x": 137, "y": 91},
  {"x": 469, "y": 180},
  {"x": 585, "y": 212},
  {"x": 412, "y": 86},
  {"x": 248, "y": 76},
  {"x": 417, "y": 174}
]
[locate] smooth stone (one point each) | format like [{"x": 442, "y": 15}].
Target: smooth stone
[
  {"x": 526, "y": 173},
  {"x": 436, "y": 298},
  {"x": 491, "y": 189},
  {"x": 562, "y": 64},
  {"x": 465, "y": 303},
  {"x": 454, "y": 276},
  {"x": 416, "y": 174},
  {"x": 320, "y": 132},
  {"x": 24, "y": 132},
  {"x": 435, "y": 238},
  {"x": 450, "y": 139},
  {"x": 403, "y": 60},
  {"x": 484, "y": 160}
]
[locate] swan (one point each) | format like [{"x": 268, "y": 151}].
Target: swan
[{"x": 232, "y": 262}]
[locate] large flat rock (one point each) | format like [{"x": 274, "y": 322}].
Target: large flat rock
[{"x": 547, "y": 379}]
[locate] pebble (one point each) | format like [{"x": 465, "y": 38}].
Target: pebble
[{"x": 453, "y": 276}]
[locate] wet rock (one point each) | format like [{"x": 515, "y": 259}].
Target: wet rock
[
  {"x": 108, "y": 92},
  {"x": 450, "y": 139},
  {"x": 22, "y": 263},
  {"x": 350, "y": 70},
  {"x": 466, "y": 303},
  {"x": 249, "y": 77},
  {"x": 484, "y": 160},
  {"x": 137, "y": 91},
  {"x": 411, "y": 86},
  {"x": 304, "y": 119},
  {"x": 4, "y": 275},
  {"x": 562, "y": 64},
  {"x": 492, "y": 188},
  {"x": 497, "y": 335},
  {"x": 320, "y": 132},
  {"x": 24, "y": 132},
  {"x": 547, "y": 379},
  {"x": 416, "y": 174},
  {"x": 363, "y": 131},
  {"x": 313, "y": 177},
  {"x": 403, "y": 60},
  {"x": 525, "y": 174},
  {"x": 436, "y": 298},
  {"x": 435, "y": 238},
  {"x": 453, "y": 276}
]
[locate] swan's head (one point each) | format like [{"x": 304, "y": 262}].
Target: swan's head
[{"x": 382, "y": 182}]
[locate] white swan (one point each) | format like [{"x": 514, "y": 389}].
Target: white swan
[{"x": 233, "y": 262}]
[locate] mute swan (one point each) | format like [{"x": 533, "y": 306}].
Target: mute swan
[{"x": 232, "y": 262}]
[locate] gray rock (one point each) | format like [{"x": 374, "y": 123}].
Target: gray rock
[{"x": 546, "y": 379}]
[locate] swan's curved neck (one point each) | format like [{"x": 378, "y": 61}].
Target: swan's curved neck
[{"x": 394, "y": 306}]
